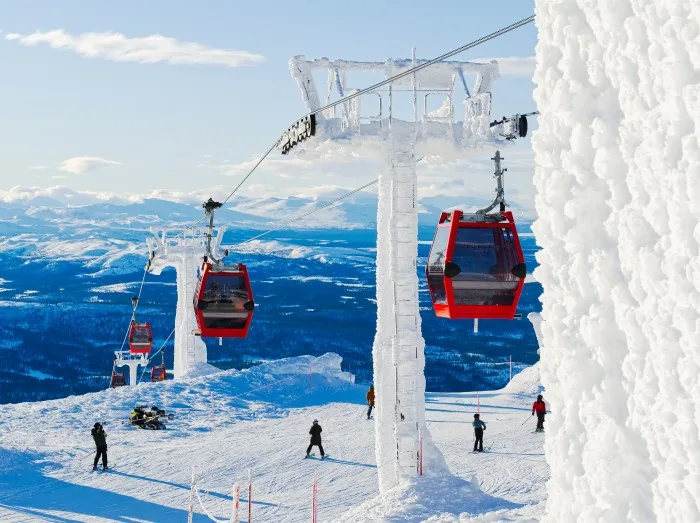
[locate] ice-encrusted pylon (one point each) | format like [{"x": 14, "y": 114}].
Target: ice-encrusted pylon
[
  {"x": 398, "y": 350},
  {"x": 184, "y": 252}
]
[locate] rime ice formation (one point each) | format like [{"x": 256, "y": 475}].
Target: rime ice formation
[
  {"x": 618, "y": 198},
  {"x": 398, "y": 351}
]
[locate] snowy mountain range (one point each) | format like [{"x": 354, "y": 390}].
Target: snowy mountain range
[{"x": 61, "y": 206}]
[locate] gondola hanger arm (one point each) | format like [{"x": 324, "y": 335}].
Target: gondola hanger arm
[{"x": 500, "y": 191}]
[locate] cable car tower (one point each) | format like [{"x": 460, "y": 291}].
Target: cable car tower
[
  {"x": 396, "y": 124},
  {"x": 184, "y": 250},
  {"x": 140, "y": 341}
]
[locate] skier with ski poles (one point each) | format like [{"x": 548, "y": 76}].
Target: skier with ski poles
[
  {"x": 540, "y": 408},
  {"x": 370, "y": 401},
  {"x": 100, "y": 437},
  {"x": 315, "y": 432},
  {"x": 479, "y": 428}
]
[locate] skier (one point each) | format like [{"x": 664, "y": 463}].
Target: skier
[
  {"x": 479, "y": 428},
  {"x": 370, "y": 401},
  {"x": 100, "y": 437},
  {"x": 541, "y": 409},
  {"x": 315, "y": 438}
]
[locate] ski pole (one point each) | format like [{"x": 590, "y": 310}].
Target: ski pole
[{"x": 523, "y": 423}]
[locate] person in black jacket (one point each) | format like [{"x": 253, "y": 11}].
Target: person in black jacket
[
  {"x": 100, "y": 437},
  {"x": 315, "y": 438},
  {"x": 479, "y": 428}
]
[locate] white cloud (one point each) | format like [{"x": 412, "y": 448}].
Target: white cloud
[
  {"x": 151, "y": 49},
  {"x": 522, "y": 66},
  {"x": 61, "y": 194},
  {"x": 84, "y": 164},
  {"x": 38, "y": 167}
]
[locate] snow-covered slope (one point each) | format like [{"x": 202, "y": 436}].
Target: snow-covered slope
[
  {"x": 617, "y": 174},
  {"x": 229, "y": 422},
  {"x": 505, "y": 483}
]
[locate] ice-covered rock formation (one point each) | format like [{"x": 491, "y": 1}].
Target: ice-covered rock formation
[{"x": 618, "y": 198}]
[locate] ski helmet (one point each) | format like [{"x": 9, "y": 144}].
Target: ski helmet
[
  {"x": 476, "y": 415},
  {"x": 315, "y": 421},
  {"x": 97, "y": 425},
  {"x": 539, "y": 396}
]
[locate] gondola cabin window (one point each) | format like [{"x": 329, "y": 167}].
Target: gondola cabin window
[
  {"x": 485, "y": 256},
  {"x": 225, "y": 297},
  {"x": 436, "y": 265}
]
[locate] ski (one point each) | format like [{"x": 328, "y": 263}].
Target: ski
[{"x": 313, "y": 456}]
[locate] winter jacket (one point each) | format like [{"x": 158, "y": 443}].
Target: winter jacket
[
  {"x": 100, "y": 437},
  {"x": 370, "y": 397},
  {"x": 539, "y": 407},
  {"x": 315, "y": 434},
  {"x": 478, "y": 424}
]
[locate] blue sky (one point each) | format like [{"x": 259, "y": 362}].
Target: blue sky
[{"x": 149, "y": 126}]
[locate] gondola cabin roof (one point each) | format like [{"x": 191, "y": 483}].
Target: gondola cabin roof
[
  {"x": 476, "y": 267},
  {"x": 140, "y": 338},
  {"x": 223, "y": 301}
]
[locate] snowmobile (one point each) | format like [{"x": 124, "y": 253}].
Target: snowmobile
[{"x": 153, "y": 418}]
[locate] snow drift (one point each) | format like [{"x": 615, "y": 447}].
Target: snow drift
[{"x": 618, "y": 199}]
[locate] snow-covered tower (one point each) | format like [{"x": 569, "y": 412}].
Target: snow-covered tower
[
  {"x": 184, "y": 251},
  {"x": 412, "y": 117}
]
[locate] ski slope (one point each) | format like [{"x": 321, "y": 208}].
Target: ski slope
[{"x": 258, "y": 419}]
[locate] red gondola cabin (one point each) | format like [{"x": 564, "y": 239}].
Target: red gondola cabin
[
  {"x": 223, "y": 301},
  {"x": 158, "y": 373},
  {"x": 140, "y": 338},
  {"x": 118, "y": 380},
  {"x": 476, "y": 268}
]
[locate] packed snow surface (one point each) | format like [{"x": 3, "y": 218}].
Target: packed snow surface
[
  {"x": 258, "y": 419},
  {"x": 617, "y": 174}
]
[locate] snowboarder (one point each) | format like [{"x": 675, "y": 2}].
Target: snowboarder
[
  {"x": 479, "y": 428},
  {"x": 100, "y": 437},
  {"x": 315, "y": 438},
  {"x": 370, "y": 401},
  {"x": 541, "y": 409}
]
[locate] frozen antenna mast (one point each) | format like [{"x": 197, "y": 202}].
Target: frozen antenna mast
[{"x": 412, "y": 117}]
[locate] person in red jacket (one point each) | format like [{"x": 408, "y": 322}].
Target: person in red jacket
[{"x": 541, "y": 409}]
